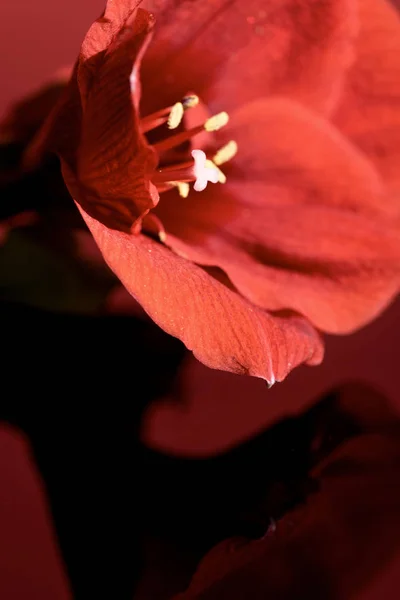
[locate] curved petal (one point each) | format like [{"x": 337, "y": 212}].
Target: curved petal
[
  {"x": 369, "y": 112},
  {"x": 223, "y": 330},
  {"x": 333, "y": 547},
  {"x": 95, "y": 130},
  {"x": 231, "y": 52},
  {"x": 303, "y": 222}
]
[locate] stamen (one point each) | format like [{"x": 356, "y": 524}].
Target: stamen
[
  {"x": 152, "y": 224},
  {"x": 216, "y": 122},
  {"x": 212, "y": 124},
  {"x": 175, "y": 116},
  {"x": 183, "y": 188},
  {"x": 182, "y": 172},
  {"x": 190, "y": 101},
  {"x": 203, "y": 171},
  {"x": 172, "y": 115},
  {"x": 155, "y": 119},
  {"x": 221, "y": 176},
  {"x": 225, "y": 153},
  {"x": 200, "y": 170}
]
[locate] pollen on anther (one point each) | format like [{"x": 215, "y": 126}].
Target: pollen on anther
[
  {"x": 175, "y": 116},
  {"x": 216, "y": 122},
  {"x": 190, "y": 101},
  {"x": 226, "y": 153},
  {"x": 221, "y": 176},
  {"x": 183, "y": 188}
]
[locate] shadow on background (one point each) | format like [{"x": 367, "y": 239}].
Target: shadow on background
[{"x": 77, "y": 387}]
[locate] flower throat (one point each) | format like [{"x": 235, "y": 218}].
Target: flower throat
[{"x": 200, "y": 169}]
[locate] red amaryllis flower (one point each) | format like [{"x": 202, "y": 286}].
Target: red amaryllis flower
[{"x": 301, "y": 230}]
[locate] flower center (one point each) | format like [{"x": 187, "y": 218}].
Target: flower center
[{"x": 199, "y": 168}]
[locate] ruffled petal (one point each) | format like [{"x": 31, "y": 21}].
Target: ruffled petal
[
  {"x": 231, "y": 52},
  {"x": 222, "y": 329},
  {"x": 369, "y": 112},
  {"x": 95, "y": 130},
  {"x": 303, "y": 223}
]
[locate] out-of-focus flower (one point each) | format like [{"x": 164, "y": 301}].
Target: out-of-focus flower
[
  {"x": 340, "y": 540},
  {"x": 23, "y": 119},
  {"x": 304, "y": 220}
]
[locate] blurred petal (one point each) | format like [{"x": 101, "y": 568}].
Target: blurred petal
[
  {"x": 369, "y": 111},
  {"x": 231, "y": 52},
  {"x": 24, "y": 118},
  {"x": 223, "y": 330},
  {"x": 303, "y": 223},
  {"x": 332, "y": 547}
]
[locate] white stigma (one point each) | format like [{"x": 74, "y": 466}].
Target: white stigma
[{"x": 203, "y": 171}]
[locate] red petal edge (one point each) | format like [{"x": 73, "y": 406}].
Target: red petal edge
[
  {"x": 95, "y": 128},
  {"x": 223, "y": 330}
]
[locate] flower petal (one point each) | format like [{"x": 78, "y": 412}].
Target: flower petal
[
  {"x": 223, "y": 330},
  {"x": 333, "y": 547},
  {"x": 95, "y": 130},
  {"x": 369, "y": 112},
  {"x": 231, "y": 52},
  {"x": 303, "y": 222}
]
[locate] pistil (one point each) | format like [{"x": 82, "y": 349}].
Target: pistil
[{"x": 200, "y": 169}]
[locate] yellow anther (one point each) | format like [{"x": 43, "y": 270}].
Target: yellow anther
[
  {"x": 182, "y": 186},
  {"x": 216, "y": 122},
  {"x": 221, "y": 175},
  {"x": 190, "y": 101},
  {"x": 162, "y": 236},
  {"x": 175, "y": 116},
  {"x": 225, "y": 153}
]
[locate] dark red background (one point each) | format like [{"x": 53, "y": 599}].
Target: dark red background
[{"x": 36, "y": 39}]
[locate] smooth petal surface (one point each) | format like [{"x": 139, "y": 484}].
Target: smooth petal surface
[
  {"x": 304, "y": 222},
  {"x": 369, "y": 111},
  {"x": 231, "y": 52},
  {"x": 223, "y": 330},
  {"x": 333, "y": 547}
]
